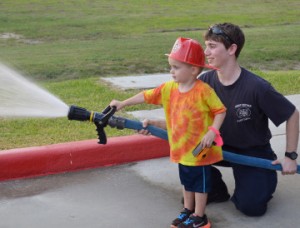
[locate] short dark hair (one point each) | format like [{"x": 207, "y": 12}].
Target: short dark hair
[{"x": 227, "y": 34}]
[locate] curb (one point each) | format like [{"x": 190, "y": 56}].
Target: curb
[{"x": 73, "y": 156}]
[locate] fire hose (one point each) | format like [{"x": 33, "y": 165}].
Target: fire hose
[{"x": 101, "y": 120}]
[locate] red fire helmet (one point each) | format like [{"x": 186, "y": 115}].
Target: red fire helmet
[{"x": 189, "y": 51}]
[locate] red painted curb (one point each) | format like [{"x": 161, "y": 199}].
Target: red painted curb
[{"x": 58, "y": 158}]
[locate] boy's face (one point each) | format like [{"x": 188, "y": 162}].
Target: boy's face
[
  {"x": 216, "y": 53},
  {"x": 181, "y": 72}
]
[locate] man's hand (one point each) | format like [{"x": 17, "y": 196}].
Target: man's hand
[
  {"x": 289, "y": 166},
  {"x": 145, "y": 123}
]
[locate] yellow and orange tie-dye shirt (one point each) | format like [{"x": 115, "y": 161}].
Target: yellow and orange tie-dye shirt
[{"x": 188, "y": 116}]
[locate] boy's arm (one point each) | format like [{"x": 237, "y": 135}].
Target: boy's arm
[
  {"x": 136, "y": 99},
  {"x": 218, "y": 120}
]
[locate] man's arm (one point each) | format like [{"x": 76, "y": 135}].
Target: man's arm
[
  {"x": 289, "y": 166},
  {"x": 157, "y": 123},
  {"x": 292, "y": 132}
]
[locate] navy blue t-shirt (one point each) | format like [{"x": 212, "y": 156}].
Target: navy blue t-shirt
[{"x": 250, "y": 102}]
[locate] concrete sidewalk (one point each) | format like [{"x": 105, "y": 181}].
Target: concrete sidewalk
[{"x": 138, "y": 194}]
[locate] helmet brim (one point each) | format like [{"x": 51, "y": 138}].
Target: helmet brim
[{"x": 204, "y": 65}]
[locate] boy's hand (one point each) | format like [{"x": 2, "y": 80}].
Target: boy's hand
[
  {"x": 206, "y": 142},
  {"x": 208, "y": 139},
  {"x": 118, "y": 104}
]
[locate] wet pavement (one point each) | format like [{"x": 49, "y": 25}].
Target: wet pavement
[{"x": 141, "y": 194}]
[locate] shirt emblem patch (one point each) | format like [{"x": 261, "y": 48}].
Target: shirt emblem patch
[{"x": 243, "y": 112}]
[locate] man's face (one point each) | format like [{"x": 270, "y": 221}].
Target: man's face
[{"x": 216, "y": 53}]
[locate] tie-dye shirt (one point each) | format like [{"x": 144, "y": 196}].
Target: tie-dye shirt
[{"x": 188, "y": 116}]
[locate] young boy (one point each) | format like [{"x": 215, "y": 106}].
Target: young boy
[{"x": 194, "y": 115}]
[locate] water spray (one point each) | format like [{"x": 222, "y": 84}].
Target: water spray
[
  {"x": 107, "y": 117},
  {"x": 21, "y": 97}
]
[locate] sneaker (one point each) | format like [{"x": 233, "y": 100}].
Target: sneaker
[
  {"x": 195, "y": 221},
  {"x": 184, "y": 215}
]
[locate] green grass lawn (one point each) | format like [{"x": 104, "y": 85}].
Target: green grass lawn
[{"x": 67, "y": 46}]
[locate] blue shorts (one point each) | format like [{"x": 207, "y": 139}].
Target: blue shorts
[{"x": 195, "y": 178}]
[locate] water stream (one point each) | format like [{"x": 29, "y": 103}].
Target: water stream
[{"x": 19, "y": 97}]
